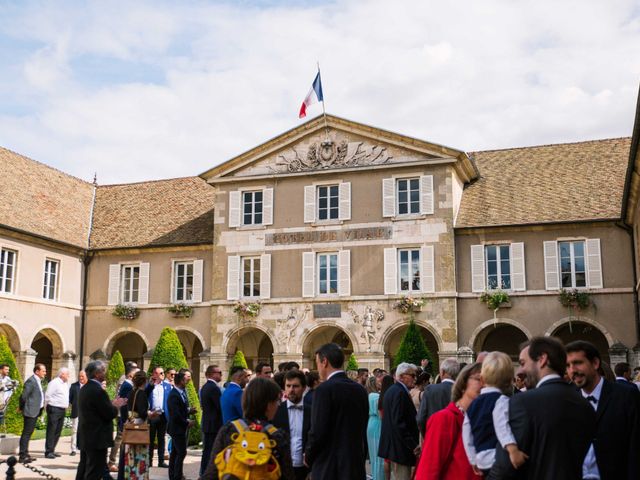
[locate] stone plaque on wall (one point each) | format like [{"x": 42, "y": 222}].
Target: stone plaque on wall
[
  {"x": 320, "y": 236},
  {"x": 327, "y": 310}
]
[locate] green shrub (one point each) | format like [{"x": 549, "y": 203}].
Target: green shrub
[
  {"x": 13, "y": 419},
  {"x": 239, "y": 360},
  {"x": 168, "y": 354},
  {"x": 352, "y": 364},
  {"x": 413, "y": 349},
  {"x": 115, "y": 369}
]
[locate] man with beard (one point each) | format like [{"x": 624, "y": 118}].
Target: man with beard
[
  {"x": 614, "y": 451},
  {"x": 551, "y": 422}
]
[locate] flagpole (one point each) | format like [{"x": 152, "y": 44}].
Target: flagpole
[{"x": 324, "y": 113}]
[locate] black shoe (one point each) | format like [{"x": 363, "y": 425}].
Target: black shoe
[
  {"x": 163, "y": 465},
  {"x": 73, "y": 454},
  {"x": 56, "y": 454},
  {"x": 26, "y": 459},
  {"x": 50, "y": 455}
]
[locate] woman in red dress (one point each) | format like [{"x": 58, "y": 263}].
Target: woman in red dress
[{"x": 443, "y": 456}]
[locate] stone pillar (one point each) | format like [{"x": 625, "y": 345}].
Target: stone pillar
[
  {"x": 69, "y": 361},
  {"x": 617, "y": 354},
  {"x": 465, "y": 355},
  {"x": 279, "y": 358},
  {"x": 25, "y": 361},
  {"x": 146, "y": 360},
  {"x": 634, "y": 356},
  {"x": 222, "y": 360},
  {"x": 370, "y": 360}
]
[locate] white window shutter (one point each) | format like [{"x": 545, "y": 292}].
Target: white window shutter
[
  {"x": 427, "y": 270},
  {"x": 267, "y": 206},
  {"x": 234, "y": 209},
  {"x": 426, "y": 194},
  {"x": 594, "y": 263},
  {"x": 551, "y": 273},
  {"x": 308, "y": 274},
  {"x": 265, "y": 276},
  {"x": 518, "y": 278},
  {"x": 114, "y": 284},
  {"x": 477, "y": 268},
  {"x": 344, "y": 205},
  {"x": 344, "y": 273},
  {"x": 143, "y": 291},
  {"x": 309, "y": 204},
  {"x": 197, "y": 280},
  {"x": 390, "y": 271},
  {"x": 233, "y": 277},
  {"x": 388, "y": 197}
]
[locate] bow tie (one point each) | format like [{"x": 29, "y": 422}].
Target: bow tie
[
  {"x": 593, "y": 399},
  {"x": 296, "y": 407}
]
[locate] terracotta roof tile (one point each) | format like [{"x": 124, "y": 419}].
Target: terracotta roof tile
[{"x": 546, "y": 184}]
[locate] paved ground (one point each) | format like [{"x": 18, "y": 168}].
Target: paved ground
[{"x": 65, "y": 466}]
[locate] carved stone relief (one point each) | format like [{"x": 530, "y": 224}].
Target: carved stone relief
[
  {"x": 370, "y": 323},
  {"x": 287, "y": 328}
]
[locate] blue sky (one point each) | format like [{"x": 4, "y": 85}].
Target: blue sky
[{"x": 144, "y": 90}]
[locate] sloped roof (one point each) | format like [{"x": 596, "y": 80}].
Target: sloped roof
[
  {"x": 547, "y": 184},
  {"x": 177, "y": 211},
  {"x": 44, "y": 201}
]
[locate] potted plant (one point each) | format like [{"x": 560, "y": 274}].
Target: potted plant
[
  {"x": 126, "y": 312},
  {"x": 575, "y": 300},
  {"x": 408, "y": 304},
  {"x": 247, "y": 309},
  {"x": 495, "y": 299},
  {"x": 180, "y": 310}
]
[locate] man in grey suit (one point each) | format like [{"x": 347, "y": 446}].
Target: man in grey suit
[
  {"x": 438, "y": 396},
  {"x": 31, "y": 403}
]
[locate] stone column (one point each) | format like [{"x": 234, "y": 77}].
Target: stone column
[
  {"x": 146, "y": 360},
  {"x": 617, "y": 354},
  {"x": 634, "y": 356},
  {"x": 69, "y": 361},
  {"x": 279, "y": 358},
  {"x": 464, "y": 354},
  {"x": 370, "y": 360},
  {"x": 25, "y": 361},
  {"x": 222, "y": 360}
]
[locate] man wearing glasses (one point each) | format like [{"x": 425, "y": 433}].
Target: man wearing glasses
[{"x": 158, "y": 392}]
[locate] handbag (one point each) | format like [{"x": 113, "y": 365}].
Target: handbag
[{"x": 135, "y": 433}]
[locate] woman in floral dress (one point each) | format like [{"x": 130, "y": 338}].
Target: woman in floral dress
[{"x": 136, "y": 457}]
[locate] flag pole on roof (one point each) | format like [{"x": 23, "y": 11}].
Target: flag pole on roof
[{"x": 314, "y": 96}]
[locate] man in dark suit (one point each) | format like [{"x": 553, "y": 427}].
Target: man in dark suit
[
  {"x": 95, "y": 426},
  {"x": 158, "y": 391},
  {"x": 437, "y": 396},
  {"x": 623, "y": 375},
  {"x": 295, "y": 418},
  {"x": 211, "y": 413},
  {"x": 399, "y": 433},
  {"x": 614, "y": 451},
  {"x": 179, "y": 423},
  {"x": 337, "y": 442},
  {"x": 74, "y": 392},
  {"x": 31, "y": 405},
  {"x": 551, "y": 422}
]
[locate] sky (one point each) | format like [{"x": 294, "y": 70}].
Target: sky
[{"x": 145, "y": 90}]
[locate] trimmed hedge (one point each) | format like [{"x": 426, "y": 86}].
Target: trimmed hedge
[
  {"x": 13, "y": 419},
  {"x": 239, "y": 360},
  {"x": 115, "y": 369},
  {"x": 352, "y": 364},
  {"x": 412, "y": 348}
]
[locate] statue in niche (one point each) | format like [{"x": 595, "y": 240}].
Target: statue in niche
[
  {"x": 371, "y": 324},
  {"x": 287, "y": 328}
]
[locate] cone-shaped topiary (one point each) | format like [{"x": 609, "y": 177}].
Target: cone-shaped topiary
[
  {"x": 168, "y": 354},
  {"x": 412, "y": 348},
  {"x": 115, "y": 369},
  {"x": 13, "y": 420},
  {"x": 352, "y": 364},
  {"x": 239, "y": 360}
]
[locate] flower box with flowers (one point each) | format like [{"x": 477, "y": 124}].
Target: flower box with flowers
[
  {"x": 248, "y": 309},
  {"x": 180, "y": 310},
  {"x": 126, "y": 312},
  {"x": 409, "y": 304}
]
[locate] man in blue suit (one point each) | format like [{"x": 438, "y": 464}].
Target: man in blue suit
[
  {"x": 158, "y": 392},
  {"x": 231, "y": 400}
]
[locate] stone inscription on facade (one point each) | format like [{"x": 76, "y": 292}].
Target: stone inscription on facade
[
  {"x": 327, "y": 310},
  {"x": 353, "y": 234}
]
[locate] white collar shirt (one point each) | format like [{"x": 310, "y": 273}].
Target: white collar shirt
[
  {"x": 445, "y": 380},
  {"x": 546, "y": 378},
  {"x": 334, "y": 373},
  {"x": 57, "y": 393},
  {"x": 158, "y": 397},
  {"x": 590, "y": 466},
  {"x": 39, "y": 382},
  {"x": 296, "y": 416}
]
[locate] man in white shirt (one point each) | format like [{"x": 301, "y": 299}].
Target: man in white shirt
[{"x": 56, "y": 400}]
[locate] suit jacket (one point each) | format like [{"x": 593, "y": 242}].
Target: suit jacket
[
  {"x": 167, "y": 390},
  {"x": 211, "y": 409},
  {"x": 74, "y": 391},
  {"x": 435, "y": 398},
  {"x": 96, "y": 414},
  {"x": 231, "y": 402},
  {"x": 281, "y": 420},
  {"x": 337, "y": 441},
  {"x": 554, "y": 425},
  {"x": 617, "y": 442},
  {"x": 31, "y": 398},
  {"x": 178, "y": 414},
  {"x": 399, "y": 435},
  {"x": 626, "y": 383}
]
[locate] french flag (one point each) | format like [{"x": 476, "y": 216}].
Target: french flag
[{"x": 314, "y": 96}]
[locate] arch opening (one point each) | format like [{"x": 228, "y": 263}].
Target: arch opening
[
  {"x": 192, "y": 348},
  {"x": 12, "y": 337},
  {"x": 131, "y": 346},
  {"x": 320, "y": 336},
  {"x": 392, "y": 344},
  {"x": 254, "y": 344},
  {"x": 577, "y": 330},
  {"x": 500, "y": 337}
]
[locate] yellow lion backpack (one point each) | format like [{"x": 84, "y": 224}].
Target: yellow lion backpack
[{"x": 250, "y": 455}]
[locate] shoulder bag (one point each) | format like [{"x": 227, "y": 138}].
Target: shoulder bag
[{"x": 135, "y": 433}]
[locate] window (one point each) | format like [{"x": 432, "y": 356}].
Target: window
[
  {"x": 327, "y": 273},
  {"x": 409, "y": 270},
  {"x": 251, "y": 277},
  {"x": 130, "y": 283},
  {"x": 51, "y": 268},
  {"x": 252, "y": 208},
  {"x": 183, "y": 281},
  {"x": 498, "y": 267},
  {"x": 572, "y": 264},
  {"x": 408, "y": 196},
  {"x": 7, "y": 270},
  {"x": 328, "y": 207}
]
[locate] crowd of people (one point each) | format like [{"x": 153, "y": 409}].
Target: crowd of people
[{"x": 563, "y": 414}]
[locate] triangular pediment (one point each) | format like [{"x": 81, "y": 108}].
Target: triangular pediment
[{"x": 322, "y": 145}]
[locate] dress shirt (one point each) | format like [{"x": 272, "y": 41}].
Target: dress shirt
[
  {"x": 444, "y": 380},
  {"x": 158, "y": 397},
  {"x": 57, "y": 393},
  {"x": 39, "y": 382},
  {"x": 551, "y": 376},
  {"x": 590, "y": 466},
  {"x": 296, "y": 414},
  {"x": 182, "y": 395}
]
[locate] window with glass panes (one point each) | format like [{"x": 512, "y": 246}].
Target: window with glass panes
[
  {"x": 7, "y": 270},
  {"x": 130, "y": 284},
  {"x": 251, "y": 277},
  {"x": 183, "y": 281},
  {"x": 328, "y": 202},
  {"x": 409, "y": 266},
  {"x": 327, "y": 273},
  {"x": 51, "y": 268},
  {"x": 572, "y": 264},
  {"x": 408, "y": 196},
  {"x": 252, "y": 208},
  {"x": 498, "y": 267}
]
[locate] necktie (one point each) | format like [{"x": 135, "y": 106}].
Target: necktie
[
  {"x": 185, "y": 399},
  {"x": 592, "y": 399},
  {"x": 296, "y": 407}
]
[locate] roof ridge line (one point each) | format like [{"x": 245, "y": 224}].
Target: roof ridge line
[
  {"x": 549, "y": 145},
  {"x": 45, "y": 165}
]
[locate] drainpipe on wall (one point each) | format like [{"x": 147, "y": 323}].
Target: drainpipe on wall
[
  {"x": 86, "y": 260},
  {"x": 629, "y": 230}
]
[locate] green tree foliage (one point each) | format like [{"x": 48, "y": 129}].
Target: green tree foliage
[
  {"x": 168, "y": 354},
  {"x": 412, "y": 348},
  {"x": 115, "y": 369},
  {"x": 352, "y": 364},
  {"x": 239, "y": 360},
  {"x": 13, "y": 419}
]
